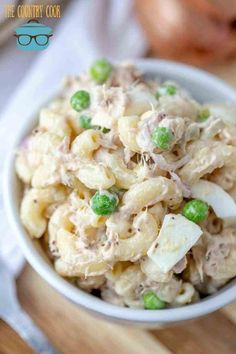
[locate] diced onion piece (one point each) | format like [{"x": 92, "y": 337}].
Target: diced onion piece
[
  {"x": 176, "y": 237},
  {"x": 221, "y": 202}
]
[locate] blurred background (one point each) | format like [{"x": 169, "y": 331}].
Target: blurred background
[{"x": 199, "y": 32}]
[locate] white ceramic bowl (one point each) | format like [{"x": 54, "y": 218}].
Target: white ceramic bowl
[{"x": 204, "y": 87}]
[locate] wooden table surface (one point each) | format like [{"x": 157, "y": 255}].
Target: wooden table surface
[{"x": 73, "y": 331}]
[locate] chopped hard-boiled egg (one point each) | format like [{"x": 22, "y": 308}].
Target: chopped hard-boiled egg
[
  {"x": 226, "y": 112},
  {"x": 176, "y": 237},
  {"x": 139, "y": 101},
  {"x": 221, "y": 202}
]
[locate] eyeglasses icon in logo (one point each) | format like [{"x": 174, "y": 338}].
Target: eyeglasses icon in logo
[{"x": 33, "y": 36}]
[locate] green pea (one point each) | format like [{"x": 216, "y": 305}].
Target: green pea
[
  {"x": 104, "y": 203},
  {"x": 100, "y": 71},
  {"x": 85, "y": 122},
  {"x": 80, "y": 100},
  {"x": 166, "y": 90},
  {"x": 152, "y": 301},
  {"x": 196, "y": 210},
  {"x": 162, "y": 138},
  {"x": 203, "y": 115}
]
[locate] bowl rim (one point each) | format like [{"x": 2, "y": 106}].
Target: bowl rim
[{"x": 78, "y": 296}]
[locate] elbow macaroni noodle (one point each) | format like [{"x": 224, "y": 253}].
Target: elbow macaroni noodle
[
  {"x": 34, "y": 205},
  {"x": 63, "y": 165}
]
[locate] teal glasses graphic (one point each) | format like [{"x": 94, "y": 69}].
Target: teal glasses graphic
[{"x": 33, "y": 36}]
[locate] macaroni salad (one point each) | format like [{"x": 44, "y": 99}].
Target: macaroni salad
[{"x": 130, "y": 185}]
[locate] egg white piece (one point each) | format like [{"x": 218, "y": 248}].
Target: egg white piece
[
  {"x": 226, "y": 112},
  {"x": 176, "y": 237},
  {"x": 221, "y": 202},
  {"x": 139, "y": 101}
]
